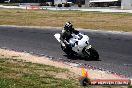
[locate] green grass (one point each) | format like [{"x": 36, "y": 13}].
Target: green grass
[
  {"x": 16, "y": 73},
  {"x": 19, "y": 74},
  {"x": 88, "y": 20}
]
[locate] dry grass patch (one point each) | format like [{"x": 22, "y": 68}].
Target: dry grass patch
[{"x": 90, "y": 20}]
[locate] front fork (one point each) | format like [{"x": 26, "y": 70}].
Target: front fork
[
  {"x": 86, "y": 50},
  {"x": 88, "y": 47}
]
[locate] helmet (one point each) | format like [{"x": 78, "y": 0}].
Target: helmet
[{"x": 68, "y": 26}]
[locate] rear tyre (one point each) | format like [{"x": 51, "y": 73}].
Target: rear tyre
[{"x": 68, "y": 51}]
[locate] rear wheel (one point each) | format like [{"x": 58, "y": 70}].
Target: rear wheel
[
  {"x": 68, "y": 51},
  {"x": 64, "y": 49}
]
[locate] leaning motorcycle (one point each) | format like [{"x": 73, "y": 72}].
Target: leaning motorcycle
[{"x": 78, "y": 45}]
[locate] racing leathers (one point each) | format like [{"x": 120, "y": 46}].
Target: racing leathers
[{"x": 66, "y": 35}]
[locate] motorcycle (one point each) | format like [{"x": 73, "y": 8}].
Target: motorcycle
[{"x": 78, "y": 45}]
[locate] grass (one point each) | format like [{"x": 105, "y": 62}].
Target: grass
[
  {"x": 16, "y": 73},
  {"x": 19, "y": 74},
  {"x": 89, "y": 20}
]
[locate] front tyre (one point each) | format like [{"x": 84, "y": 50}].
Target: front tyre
[{"x": 93, "y": 54}]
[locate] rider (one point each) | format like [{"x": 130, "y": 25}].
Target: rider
[{"x": 66, "y": 33}]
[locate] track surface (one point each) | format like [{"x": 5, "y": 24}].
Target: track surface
[{"x": 115, "y": 50}]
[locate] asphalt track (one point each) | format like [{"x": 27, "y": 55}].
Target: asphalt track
[{"x": 115, "y": 50}]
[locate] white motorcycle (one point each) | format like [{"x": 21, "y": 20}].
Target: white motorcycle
[{"x": 78, "y": 45}]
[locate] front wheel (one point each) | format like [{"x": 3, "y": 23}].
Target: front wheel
[{"x": 92, "y": 53}]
